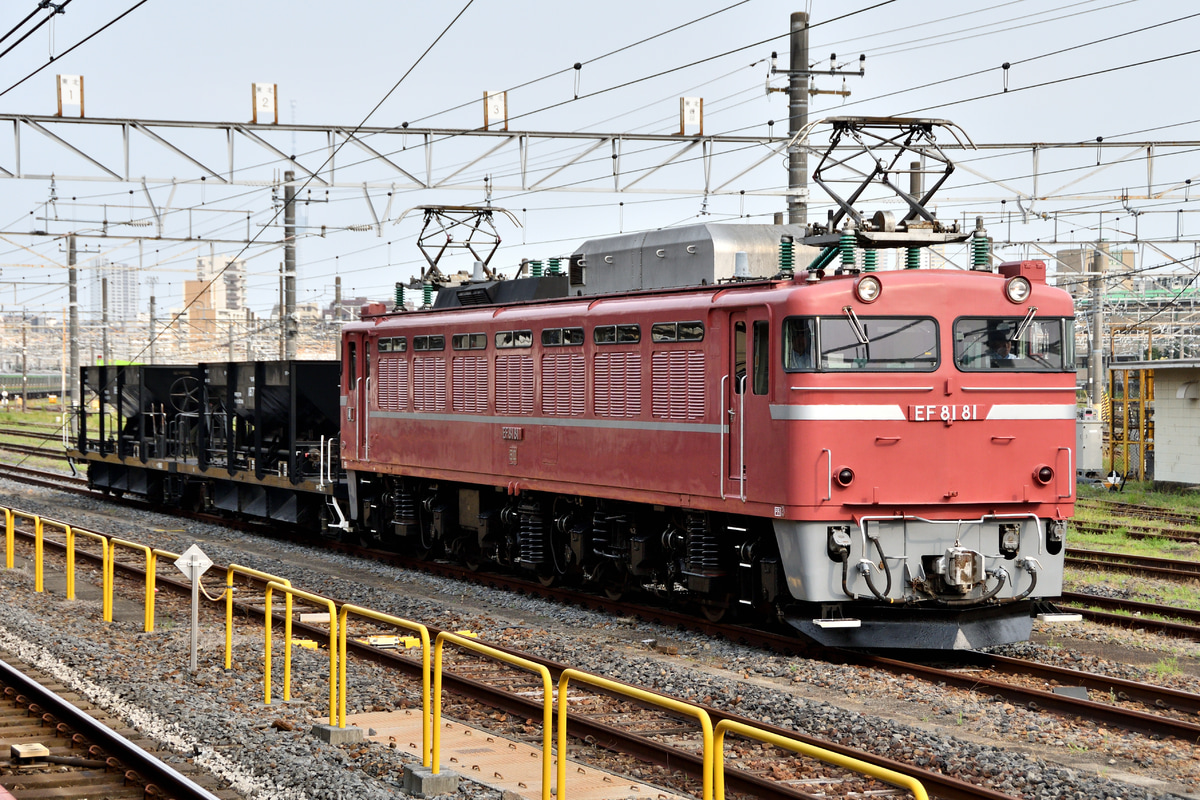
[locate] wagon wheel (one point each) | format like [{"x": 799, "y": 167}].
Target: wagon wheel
[{"x": 185, "y": 394}]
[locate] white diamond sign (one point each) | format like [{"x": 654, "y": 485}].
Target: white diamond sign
[{"x": 193, "y": 563}]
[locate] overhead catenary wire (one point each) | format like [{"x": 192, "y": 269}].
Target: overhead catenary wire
[{"x": 78, "y": 44}]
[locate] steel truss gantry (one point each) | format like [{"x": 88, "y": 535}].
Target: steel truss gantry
[{"x": 398, "y": 158}]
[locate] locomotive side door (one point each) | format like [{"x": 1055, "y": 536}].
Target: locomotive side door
[
  {"x": 734, "y": 395},
  {"x": 354, "y": 390},
  {"x": 744, "y": 399}
]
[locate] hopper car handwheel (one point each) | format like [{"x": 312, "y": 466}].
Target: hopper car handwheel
[{"x": 185, "y": 394}]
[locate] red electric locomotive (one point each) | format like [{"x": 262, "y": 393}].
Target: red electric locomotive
[{"x": 854, "y": 453}]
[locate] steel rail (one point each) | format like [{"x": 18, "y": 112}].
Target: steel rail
[
  {"x": 1127, "y": 562},
  {"x": 1136, "y": 531},
  {"x": 162, "y": 776},
  {"x": 1134, "y": 607},
  {"x": 1147, "y": 694}
]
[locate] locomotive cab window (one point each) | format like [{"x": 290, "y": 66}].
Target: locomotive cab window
[
  {"x": 798, "y": 344},
  {"x": 877, "y": 344},
  {"x": 1021, "y": 344},
  {"x": 762, "y": 344}
]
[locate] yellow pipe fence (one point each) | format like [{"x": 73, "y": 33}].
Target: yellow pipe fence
[
  {"x": 237, "y": 569},
  {"x": 516, "y": 661},
  {"x": 274, "y": 586},
  {"x": 641, "y": 695},
  {"x": 416, "y": 627},
  {"x": 151, "y": 568},
  {"x": 829, "y": 757},
  {"x": 8, "y": 537},
  {"x": 10, "y": 517}
]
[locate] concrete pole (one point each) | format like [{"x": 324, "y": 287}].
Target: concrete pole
[
  {"x": 337, "y": 299},
  {"x": 1096, "y": 362},
  {"x": 24, "y": 362},
  {"x": 104, "y": 321},
  {"x": 798, "y": 82},
  {"x": 289, "y": 264},
  {"x": 153, "y": 325},
  {"x": 73, "y": 322},
  {"x": 282, "y": 315}
]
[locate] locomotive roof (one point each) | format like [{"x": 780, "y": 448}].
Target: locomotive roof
[{"x": 834, "y": 284}]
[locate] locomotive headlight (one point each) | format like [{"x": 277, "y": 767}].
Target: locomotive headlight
[
  {"x": 1017, "y": 289},
  {"x": 868, "y": 289},
  {"x": 1043, "y": 474},
  {"x": 845, "y": 476}
]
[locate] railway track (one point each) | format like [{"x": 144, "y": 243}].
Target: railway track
[
  {"x": 1135, "y": 531},
  {"x": 1143, "y": 512},
  {"x": 1134, "y": 614},
  {"x": 74, "y": 751},
  {"x": 49, "y": 479},
  {"x": 1166, "y": 568}
]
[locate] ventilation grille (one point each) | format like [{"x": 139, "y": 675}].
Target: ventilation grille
[
  {"x": 677, "y": 384},
  {"x": 618, "y": 387}
]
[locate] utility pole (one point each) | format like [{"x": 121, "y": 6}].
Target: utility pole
[
  {"x": 289, "y": 265},
  {"x": 153, "y": 325},
  {"x": 73, "y": 320},
  {"x": 798, "y": 78},
  {"x": 24, "y": 362},
  {"x": 337, "y": 299},
  {"x": 1096, "y": 361},
  {"x": 104, "y": 321},
  {"x": 799, "y": 90}
]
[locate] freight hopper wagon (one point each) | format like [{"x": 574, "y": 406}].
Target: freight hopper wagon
[
  {"x": 882, "y": 459},
  {"x": 254, "y": 439}
]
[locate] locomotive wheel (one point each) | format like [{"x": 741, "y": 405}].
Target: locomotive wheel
[
  {"x": 718, "y": 610},
  {"x": 618, "y": 588},
  {"x": 547, "y": 578}
]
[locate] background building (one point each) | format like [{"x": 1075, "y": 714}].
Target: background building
[{"x": 122, "y": 290}]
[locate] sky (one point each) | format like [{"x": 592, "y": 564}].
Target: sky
[{"x": 1119, "y": 70}]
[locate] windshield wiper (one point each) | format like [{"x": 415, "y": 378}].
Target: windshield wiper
[
  {"x": 860, "y": 333},
  {"x": 1025, "y": 323}
]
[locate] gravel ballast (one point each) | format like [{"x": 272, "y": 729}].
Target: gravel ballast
[{"x": 217, "y": 719}]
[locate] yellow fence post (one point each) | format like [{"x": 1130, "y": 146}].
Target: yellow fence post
[
  {"x": 152, "y": 576},
  {"x": 516, "y": 661},
  {"x": 105, "y": 588},
  {"x": 669, "y": 703},
  {"x": 906, "y": 782},
  {"x": 37, "y": 542},
  {"x": 230, "y": 571},
  {"x": 69, "y": 542},
  {"x": 8, "y": 538},
  {"x": 148, "y": 606},
  {"x": 417, "y": 627},
  {"x": 287, "y": 653}
]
